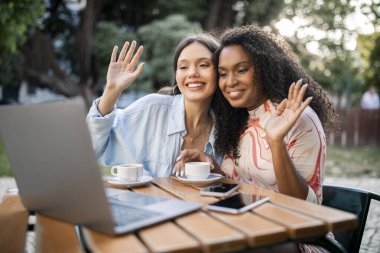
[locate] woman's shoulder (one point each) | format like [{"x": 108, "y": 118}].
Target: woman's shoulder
[
  {"x": 149, "y": 101},
  {"x": 307, "y": 121}
]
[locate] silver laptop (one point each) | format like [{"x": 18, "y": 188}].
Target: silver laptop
[{"x": 50, "y": 153}]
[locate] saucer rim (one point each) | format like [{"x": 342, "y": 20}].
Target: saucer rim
[
  {"x": 213, "y": 177},
  {"x": 115, "y": 181}
]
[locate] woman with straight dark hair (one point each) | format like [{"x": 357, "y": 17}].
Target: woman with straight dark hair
[{"x": 154, "y": 129}]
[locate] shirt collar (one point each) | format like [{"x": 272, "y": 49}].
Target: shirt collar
[
  {"x": 267, "y": 106},
  {"x": 177, "y": 122},
  {"x": 177, "y": 115}
]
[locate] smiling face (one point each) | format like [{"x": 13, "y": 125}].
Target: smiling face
[
  {"x": 195, "y": 74},
  {"x": 236, "y": 78}
]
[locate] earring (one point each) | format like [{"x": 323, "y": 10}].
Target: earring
[{"x": 174, "y": 87}]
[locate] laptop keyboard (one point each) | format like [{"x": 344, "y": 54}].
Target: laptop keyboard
[
  {"x": 135, "y": 199},
  {"x": 126, "y": 214}
]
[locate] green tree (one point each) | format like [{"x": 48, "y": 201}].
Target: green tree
[
  {"x": 107, "y": 35},
  {"x": 369, "y": 49},
  {"x": 160, "y": 39},
  {"x": 17, "y": 19},
  {"x": 322, "y": 25}
]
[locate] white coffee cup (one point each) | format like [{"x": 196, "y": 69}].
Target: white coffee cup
[
  {"x": 197, "y": 170},
  {"x": 130, "y": 172}
]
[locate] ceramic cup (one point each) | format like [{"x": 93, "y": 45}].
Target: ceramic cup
[
  {"x": 128, "y": 172},
  {"x": 197, "y": 170}
]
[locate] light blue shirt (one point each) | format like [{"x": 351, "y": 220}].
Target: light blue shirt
[{"x": 149, "y": 131}]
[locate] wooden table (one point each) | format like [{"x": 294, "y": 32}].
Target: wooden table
[{"x": 282, "y": 219}]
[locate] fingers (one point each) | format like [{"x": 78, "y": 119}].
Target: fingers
[
  {"x": 122, "y": 52},
  {"x": 130, "y": 52},
  {"x": 296, "y": 88},
  {"x": 301, "y": 94},
  {"x": 296, "y": 94},
  {"x": 290, "y": 95},
  {"x": 135, "y": 58},
  {"x": 306, "y": 103},
  {"x": 113, "y": 55},
  {"x": 139, "y": 68},
  {"x": 185, "y": 156},
  {"x": 281, "y": 107}
]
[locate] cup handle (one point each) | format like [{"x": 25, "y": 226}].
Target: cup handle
[
  {"x": 212, "y": 166},
  {"x": 113, "y": 171}
]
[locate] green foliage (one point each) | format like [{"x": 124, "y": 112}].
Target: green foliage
[
  {"x": 260, "y": 12},
  {"x": 352, "y": 161},
  {"x": 369, "y": 49},
  {"x": 106, "y": 36},
  {"x": 195, "y": 10},
  {"x": 160, "y": 39},
  {"x": 334, "y": 67},
  {"x": 17, "y": 17},
  {"x": 5, "y": 169}
]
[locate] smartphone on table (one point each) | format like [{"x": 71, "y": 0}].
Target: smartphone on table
[
  {"x": 219, "y": 190},
  {"x": 238, "y": 203}
]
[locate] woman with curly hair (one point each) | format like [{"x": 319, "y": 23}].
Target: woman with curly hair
[
  {"x": 269, "y": 134},
  {"x": 267, "y": 140}
]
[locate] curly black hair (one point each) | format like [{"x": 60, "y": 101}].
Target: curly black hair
[{"x": 276, "y": 68}]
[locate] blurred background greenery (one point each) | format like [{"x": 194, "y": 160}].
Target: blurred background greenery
[{"x": 65, "y": 45}]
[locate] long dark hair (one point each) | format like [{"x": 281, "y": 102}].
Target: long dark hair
[
  {"x": 206, "y": 40},
  {"x": 276, "y": 67}
]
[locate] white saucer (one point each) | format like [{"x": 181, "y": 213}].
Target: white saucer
[
  {"x": 212, "y": 178},
  {"x": 115, "y": 181}
]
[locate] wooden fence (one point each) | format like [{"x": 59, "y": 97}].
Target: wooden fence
[{"x": 359, "y": 128}]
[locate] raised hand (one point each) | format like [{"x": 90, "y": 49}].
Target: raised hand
[
  {"x": 287, "y": 113},
  {"x": 121, "y": 72}
]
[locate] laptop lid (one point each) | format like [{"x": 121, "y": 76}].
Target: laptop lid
[{"x": 56, "y": 170}]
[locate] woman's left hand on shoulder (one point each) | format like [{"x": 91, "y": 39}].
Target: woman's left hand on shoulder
[{"x": 287, "y": 113}]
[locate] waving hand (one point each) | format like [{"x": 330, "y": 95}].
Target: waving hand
[
  {"x": 121, "y": 72},
  {"x": 287, "y": 113}
]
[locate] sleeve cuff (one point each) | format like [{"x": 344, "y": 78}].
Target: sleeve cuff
[
  {"x": 99, "y": 124},
  {"x": 94, "y": 112}
]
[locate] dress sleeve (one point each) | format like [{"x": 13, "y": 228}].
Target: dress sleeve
[{"x": 306, "y": 144}]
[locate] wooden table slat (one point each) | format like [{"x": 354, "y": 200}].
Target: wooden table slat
[
  {"x": 99, "y": 242},
  {"x": 335, "y": 219},
  {"x": 13, "y": 224},
  {"x": 258, "y": 230},
  {"x": 298, "y": 225},
  {"x": 168, "y": 237},
  {"x": 53, "y": 235},
  {"x": 182, "y": 190},
  {"x": 213, "y": 234}
]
